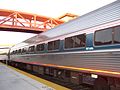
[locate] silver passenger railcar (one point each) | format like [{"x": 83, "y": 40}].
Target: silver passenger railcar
[{"x": 84, "y": 50}]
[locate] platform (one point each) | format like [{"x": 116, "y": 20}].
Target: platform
[{"x": 14, "y": 79}]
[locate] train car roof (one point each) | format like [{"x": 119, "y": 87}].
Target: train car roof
[{"x": 108, "y": 13}]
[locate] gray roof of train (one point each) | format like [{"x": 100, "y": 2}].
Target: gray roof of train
[{"x": 108, "y": 13}]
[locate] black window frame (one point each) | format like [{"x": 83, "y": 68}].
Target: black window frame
[
  {"x": 114, "y": 35},
  {"x": 41, "y": 47},
  {"x": 53, "y": 48},
  {"x": 74, "y": 45},
  {"x": 19, "y": 51},
  {"x": 16, "y": 51},
  {"x": 103, "y": 30},
  {"x": 23, "y": 50},
  {"x": 31, "y": 48}
]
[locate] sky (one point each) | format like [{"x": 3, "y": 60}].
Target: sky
[{"x": 50, "y": 8}]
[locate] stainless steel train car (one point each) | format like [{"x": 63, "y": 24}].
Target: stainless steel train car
[{"x": 84, "y": 50}]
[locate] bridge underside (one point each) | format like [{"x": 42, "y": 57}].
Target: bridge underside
[{"x": 21, "y": 30}]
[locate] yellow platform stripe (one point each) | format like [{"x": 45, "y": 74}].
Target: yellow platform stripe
[{"x": 48, "y": 83}]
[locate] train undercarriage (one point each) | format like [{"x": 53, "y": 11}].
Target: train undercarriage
[{"x": 74, "y": 79}]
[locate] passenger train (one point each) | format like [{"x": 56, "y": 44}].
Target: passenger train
[{"x": 83, "y": 50}]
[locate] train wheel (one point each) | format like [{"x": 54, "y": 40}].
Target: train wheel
[{"x": 101, "y": 84}]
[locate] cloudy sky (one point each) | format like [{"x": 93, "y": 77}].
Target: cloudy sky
[{"x": 50, "y": 8}]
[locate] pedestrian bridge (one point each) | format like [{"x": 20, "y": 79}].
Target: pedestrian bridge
[{"x": 26, "y": 22}]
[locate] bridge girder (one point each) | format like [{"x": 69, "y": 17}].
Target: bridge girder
[{"x": 26, "y": 22}]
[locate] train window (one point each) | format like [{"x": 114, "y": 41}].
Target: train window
[
  {"x": 19, "y": 51},
  {"x": 103, "y": 37},
  {"x": 68, "y": 42},
  {"x": 50, "y": 45},
  {"x": 40, "y": 47},
  {"x": 23, "y": 50},
  {"x": 117, "y": 34},
  {"x": 31, "y": 49},
  {"x": 56, "y": 44},
  {"x": 80, "y": 40},
  {"x": 15, "y": 52},
  {"x": 53, "y": 45},
  {"x": 75, "y": 41}
]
